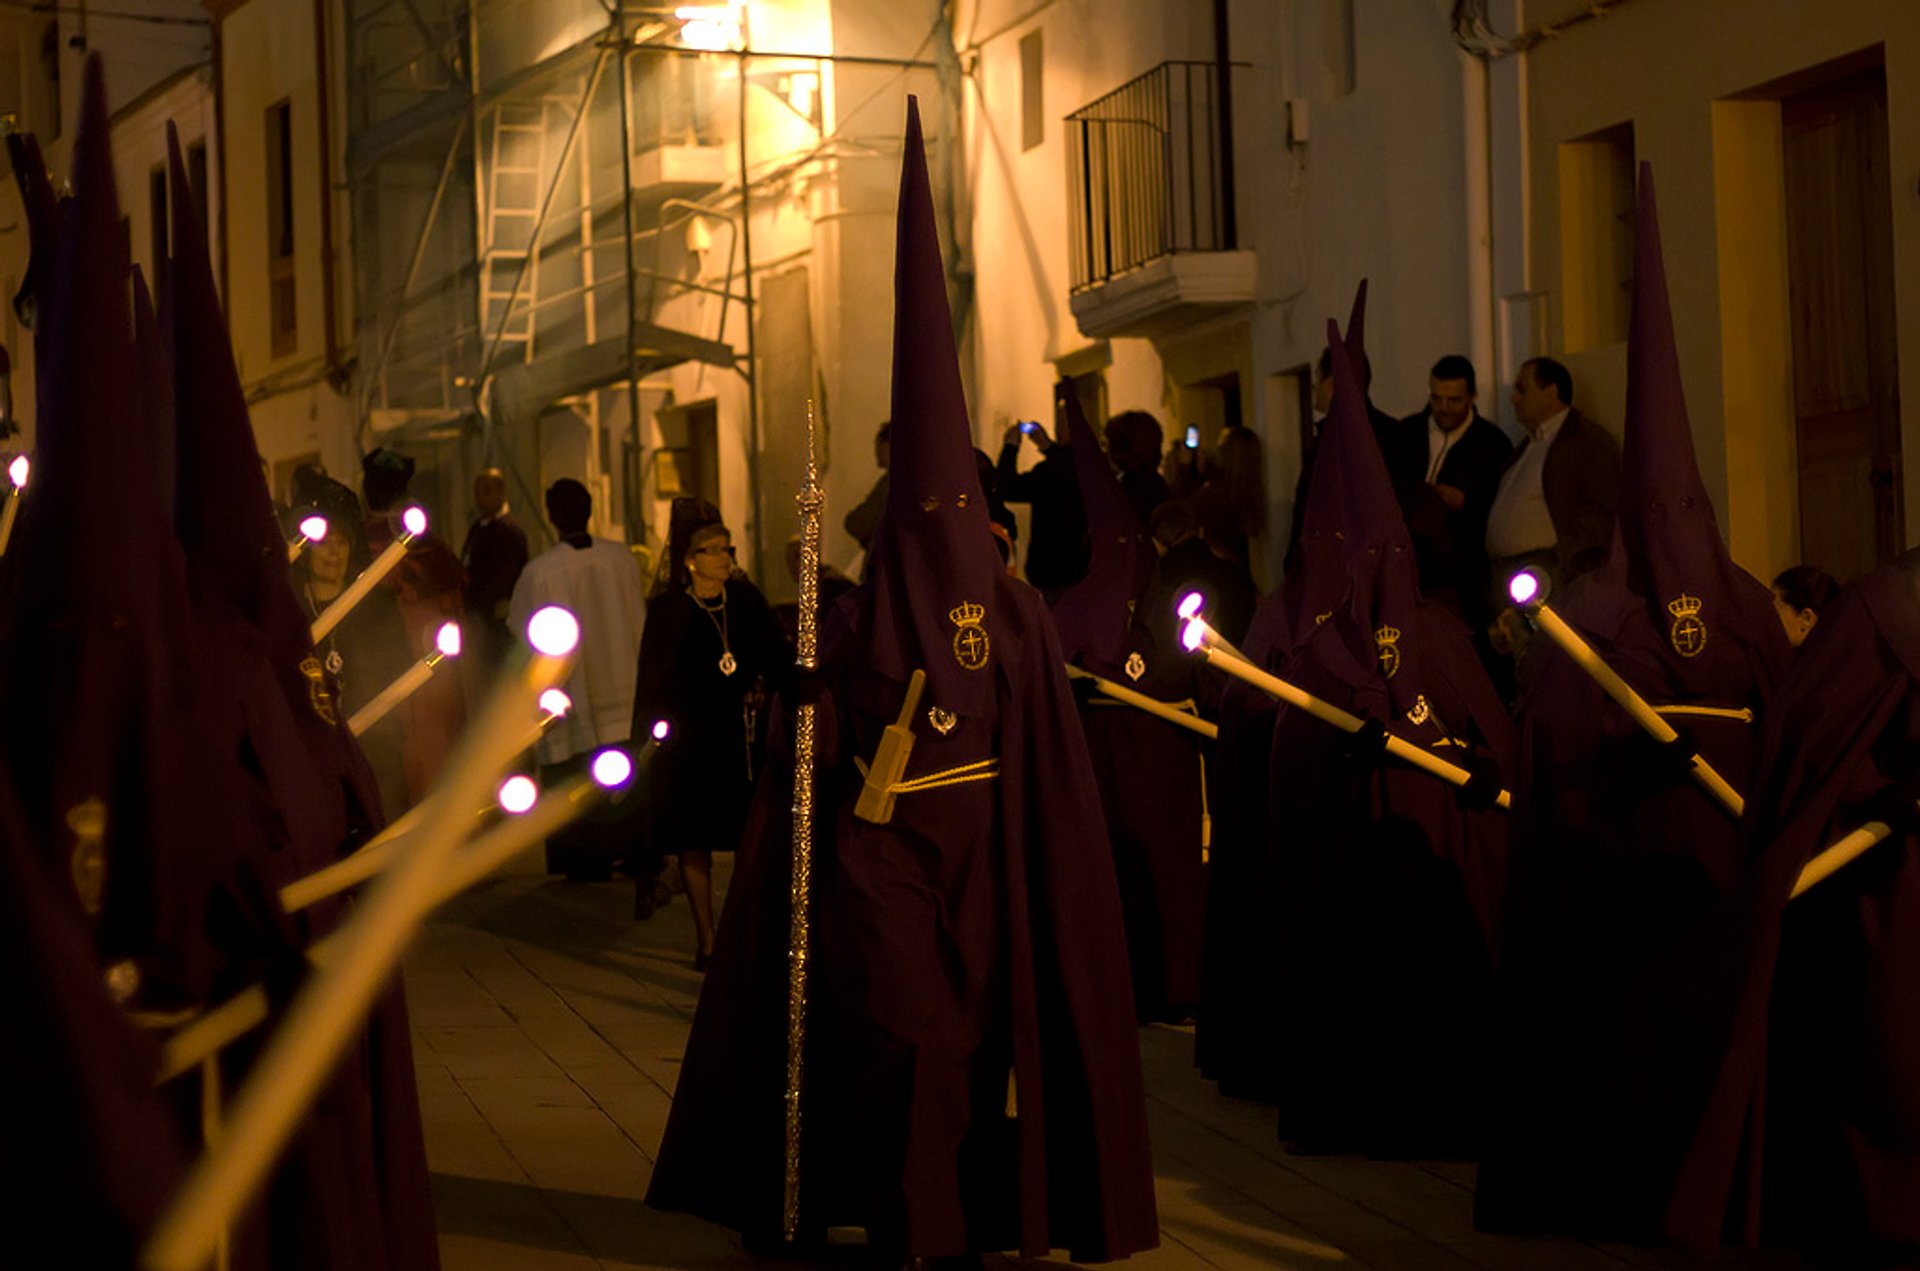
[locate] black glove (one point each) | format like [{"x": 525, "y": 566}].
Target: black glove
[
  {"x": 1664, "y": 762},
  {"x": 1368, "y": 744},
  {"x": 1482, "y": 790},
  {"x": 1896, "y": 804},
  {"x": 1083, "y": 688}
]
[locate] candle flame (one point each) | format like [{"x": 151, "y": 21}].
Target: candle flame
[
  {"x": 1190, "y": 605},
  {"x": 553, "y": 631},
  {"x": 17, "y": 471},
  {"x": 612, "y": 769},
  {"x": 447, "y": 639},
  {"x": 414, "y": 520},
  {"x": 555, "y": 702},
  {"x": 660, "y": 729},
  {"x": 1193, "y": 635},
  {"x": 1525, "y": 587},
  {"x": 314, "y": 528},
  {"x": 518, "y": 793}
]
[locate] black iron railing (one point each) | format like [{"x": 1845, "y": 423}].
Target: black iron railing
[{"x": 1152, "y": 173}]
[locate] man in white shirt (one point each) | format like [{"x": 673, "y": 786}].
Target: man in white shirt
[
  {"x": 599, "y": 581},
  {"x": 1445, "y": 462}
]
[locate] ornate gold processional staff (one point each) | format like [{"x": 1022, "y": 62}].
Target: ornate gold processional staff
[{"x": 811, "y": 501}]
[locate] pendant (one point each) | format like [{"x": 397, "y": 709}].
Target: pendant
[
  {"x": 727, "y": 665},
  {"x": 335, "y": 663}
]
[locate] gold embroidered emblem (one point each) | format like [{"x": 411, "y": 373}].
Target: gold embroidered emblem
[
  {"x": 123, "y": 981},
  {"x": 970, "y": 645},
  {"x": 1421, "y": 711},
  {"x": 1385, "y": 641},
  {"x": 942, "y": 719},
  {"x": 88, "y": 821},
  {"x": 317, "y": 695},
  {"x": 1136, "y": 665},
  {"x": 930, "y": 503},
  {"x": 1689, "y": 633},
  {"x": 1319, "y": 618}
]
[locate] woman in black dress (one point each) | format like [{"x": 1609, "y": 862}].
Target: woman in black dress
[{"x": 706, "y": 654}]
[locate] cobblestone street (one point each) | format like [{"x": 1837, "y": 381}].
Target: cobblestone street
[{"x": 549, "y": 1027}]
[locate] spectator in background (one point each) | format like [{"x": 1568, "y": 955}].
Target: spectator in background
[
  {"x": 1799, "y": 594},
  {"x": 1555, "y": 503},
  {"x": 864, "y": 519},
  {"x": 1006, "y": 530},
  {"x": 1445, "y": 463},
  {"x": 494, "y": 554},
  {"x": 1058, "y": 552},
  {"x": 709, "y": 650},
  {"x": 1232, "y": 505},
  {"x": 1135, "y": 444},
  {"x": 426, "y": 588},
  {"x": 1189, "y": 563},
  {"x": 599, "y": 582},
  {"x": 833, "y": 585}
]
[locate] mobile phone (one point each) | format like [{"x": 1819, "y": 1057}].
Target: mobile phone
[
  {"x": 1029, "y": 426},
  {"x": 1193, "y": 436}
]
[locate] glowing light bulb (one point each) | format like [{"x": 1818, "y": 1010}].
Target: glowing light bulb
[
  {"x": 447, "y": 639},
  {"x": 1524, "y": 587},
  {"x": 518, "y": 793},
  {"x": 1190, "y": 605},
  {"x": 553, "y": 631},
  {"x": 313, "y": 528},
  {"x": 1193, "y": 635},
  {"x": 414, "y": 520},
  {"x": 555, "y": 702},
  {"x": 17, "y": 471},
  {"x": 661, "y": 729},
  {"x": 612, "y": 769}
]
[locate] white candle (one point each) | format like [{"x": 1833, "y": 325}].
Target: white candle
[{"x": 414, "y": 523}]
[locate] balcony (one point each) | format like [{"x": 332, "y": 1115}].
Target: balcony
[{"x": 1151, "y": 228}]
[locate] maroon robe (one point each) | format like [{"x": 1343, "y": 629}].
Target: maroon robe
[
  {"x": 1620, "y": 858},
  {"x": 1389, "y": 883},
  {"x": 973, "y": 1071},
  {"x": 1118, "y": 624}
]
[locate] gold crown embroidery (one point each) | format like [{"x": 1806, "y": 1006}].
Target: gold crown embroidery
[
  {"x": 1386, "y": 641},
  {"x": 971, "y": 647},
  {"x": 1688, "y": 634}
]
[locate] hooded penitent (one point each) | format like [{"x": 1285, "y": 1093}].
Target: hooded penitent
[
  {"x": 973, "y": 1075},
  {"x": 1618, "y": 854},
  {"x": 104, "y": 730},
  {"x": 1238, "y": 1036},
  {"x": 354, "y": 1189},
  {"x": 1119, "y": 623},
  {"x": 1388, "y": 882}
]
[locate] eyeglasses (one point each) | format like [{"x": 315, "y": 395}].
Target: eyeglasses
[{"x": 712, "y": 551}]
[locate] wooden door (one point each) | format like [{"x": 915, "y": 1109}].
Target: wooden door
[{"x": 1840, "y": 270}]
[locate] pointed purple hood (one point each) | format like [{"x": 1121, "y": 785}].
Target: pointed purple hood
[
  {"x": 1093, "y": 615},
  {"x": 1716, "y": 621},
  {"x": 934, "y": 564}
]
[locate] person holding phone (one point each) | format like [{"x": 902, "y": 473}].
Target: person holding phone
[{"x": 1058, "y": 551}]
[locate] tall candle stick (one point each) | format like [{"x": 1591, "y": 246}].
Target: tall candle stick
[
  {"x": 446, "y": 645},
  {"x": 413, "y": 523}
]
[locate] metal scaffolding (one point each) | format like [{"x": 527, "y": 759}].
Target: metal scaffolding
[{"x": 516, "y": 167}]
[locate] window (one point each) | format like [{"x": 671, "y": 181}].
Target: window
[
  {"x": 1596, "y": 237},
  {"x": 197, "y": 182},
  {"x": 157, "y": 212},
  {"x": 1033, "y": 118},
  {"x": 282, "y": 312}
]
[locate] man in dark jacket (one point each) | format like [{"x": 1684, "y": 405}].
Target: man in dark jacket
[
  {"x": 1445, "y": 462},
  {"x": 494, "y": 554}
]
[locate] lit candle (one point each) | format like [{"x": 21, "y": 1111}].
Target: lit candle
[
  {"x": 332, "y": 1004},
  {"x": 1199, "y": 638},
  {"x": 413, "y": 523},
  {"x": 446, "y": 645},
  {"x": 16, "y": 487},
  {"x": 312, "y": 530},
  {"x": 1527, "y": 589}
]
